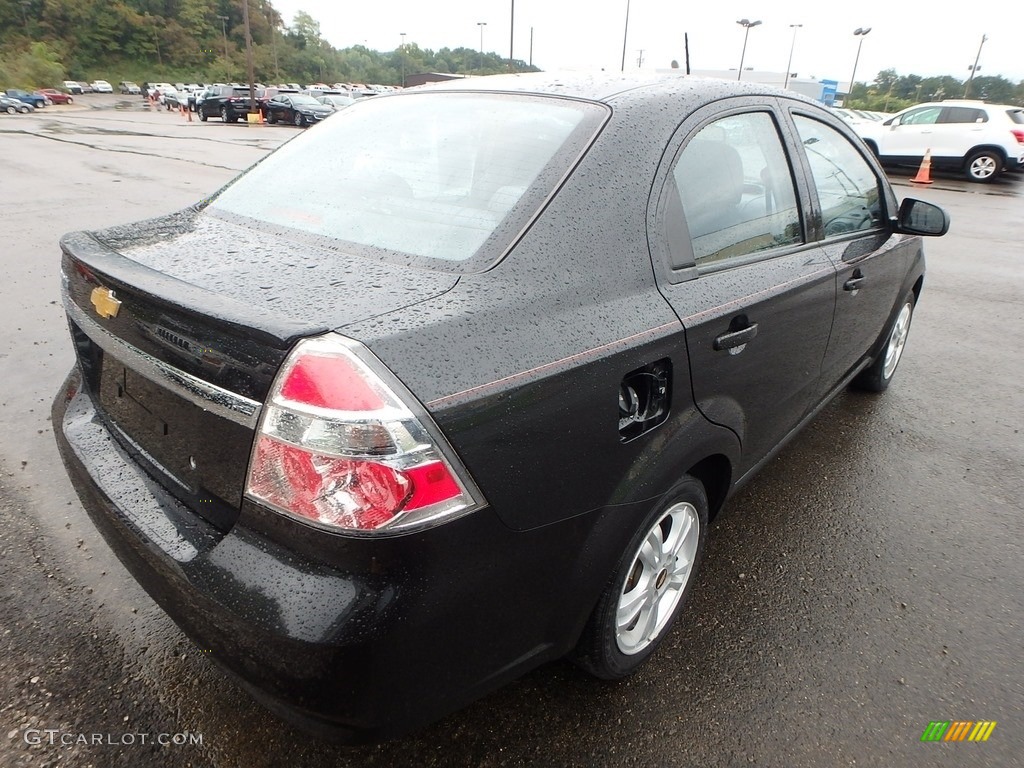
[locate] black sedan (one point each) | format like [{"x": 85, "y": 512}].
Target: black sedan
[
  {"x": 296, "y": 108},
  {"x": 465, "y": 400}
]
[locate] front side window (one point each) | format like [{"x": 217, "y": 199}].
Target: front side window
[
  {"x": 848, "y": 189},
  {"x": 425, "y": 175},
  {"x": 736, "y": 189}
]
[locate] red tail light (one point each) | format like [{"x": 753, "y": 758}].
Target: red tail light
[
  {"x": 1018, "y": 134},
  {"x": 342, "y": 443}
]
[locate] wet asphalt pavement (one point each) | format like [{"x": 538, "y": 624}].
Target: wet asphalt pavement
[{"x": 869, "y": 581}]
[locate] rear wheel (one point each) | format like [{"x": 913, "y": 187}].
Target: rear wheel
[
  {"x": 224, "y": 115},
  {"x": 11, "y": 110},
  {"x": 983, "y": 165},
  {"x": 649, "y": 587},
  {"x": 878, "y": 376}
]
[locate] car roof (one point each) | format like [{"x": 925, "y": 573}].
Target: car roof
[{"x": 604, "y": 86}]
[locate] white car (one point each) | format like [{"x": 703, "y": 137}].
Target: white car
[
  {"x": 101, "y": 86},
  {"x": 977, "y": 139}
]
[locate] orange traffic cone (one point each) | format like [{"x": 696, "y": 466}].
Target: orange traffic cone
[{"x": 924, "y": 173}]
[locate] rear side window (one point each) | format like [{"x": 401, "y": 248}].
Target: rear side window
[
  {"x": 736, "y": 189},
  {"x": 963, "y": 115},
  {"x": 430, "y": 175},
  {"x": 848, "y": 189},
  {"x": 1016, "y": 115}
]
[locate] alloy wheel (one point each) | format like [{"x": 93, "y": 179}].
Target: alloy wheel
[
  {"x": 897, "y": 341},
  {"x": 657, "y": 578}
]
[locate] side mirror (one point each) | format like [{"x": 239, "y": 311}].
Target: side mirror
[
  {"x": 893, "y": 121},
  {"x": 917, "y": 217}
]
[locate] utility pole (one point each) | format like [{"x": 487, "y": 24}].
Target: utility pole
[
  {"x": 975, "y": 68},
  {"x": 248, "y": 56},
  {"x": 531, "y": 46},
  {"x": 640, "y": 58},
  {"x": 273, "y": 45},
  {"x": 224, "y": 29}
]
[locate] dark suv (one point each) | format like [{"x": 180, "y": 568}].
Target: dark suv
[{"x": 228, "y": 102}]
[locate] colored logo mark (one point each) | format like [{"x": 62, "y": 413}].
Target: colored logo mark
[{"x": 958, "y": 730}]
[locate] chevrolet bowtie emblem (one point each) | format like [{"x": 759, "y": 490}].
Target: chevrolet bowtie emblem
[{"x": 104, "y": 301}]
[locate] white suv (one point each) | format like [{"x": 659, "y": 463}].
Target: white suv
[{"x": 978, "y": 139}]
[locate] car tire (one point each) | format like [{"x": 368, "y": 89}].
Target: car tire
[
  {"x": 299, "y": 120},
  {"x": 70, "y": 101},
  {"x": 878, "y": 376},
  {"x": 649, "y": 587},
  {"x": 271, "y": 119},
  {"x": 202, "y": 115},
  {"x": 11, "y": 110},
  {"x": 983, "y": 166},
  {"x": 224, "y": 115}
]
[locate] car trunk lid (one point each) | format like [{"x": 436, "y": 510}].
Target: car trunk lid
[{"x": 179, "y": 341}]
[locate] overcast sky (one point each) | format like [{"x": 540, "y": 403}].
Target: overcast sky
[{"x": 581, "y": 34}]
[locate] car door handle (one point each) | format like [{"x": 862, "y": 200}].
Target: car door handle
[
  {"x": 735, "y": 338},
  {"x": 854, "y": 283}
]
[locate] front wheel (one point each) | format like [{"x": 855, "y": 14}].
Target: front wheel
[
  {"x": 271, "y": 117},
  {"x": 649, "y": 587},
  {"x": 70, "y": 101},
  {"x": 878, "y": 376},
  {"x": 202, "y": 115},
  {"x": 983, "y": 165},
  {"x": 11, "y": 110},
  {"x": 300, "y": 120}
]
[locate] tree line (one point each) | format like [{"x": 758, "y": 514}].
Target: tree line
[
  {"x": 890, "y": 92},
  {"x": 45, "y": 41}
]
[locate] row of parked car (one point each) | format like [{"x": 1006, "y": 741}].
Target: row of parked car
[
  {"x": 231, "y": 102},
  {"x": 96, "y": 86},
  {"x": 15, "y": 100},
  {"x": 981, "y": 141}
]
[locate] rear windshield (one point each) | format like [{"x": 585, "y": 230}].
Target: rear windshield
[{"x": 445, "y": 177}]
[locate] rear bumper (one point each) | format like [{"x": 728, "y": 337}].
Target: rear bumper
[{"x": 355, "y": 639}]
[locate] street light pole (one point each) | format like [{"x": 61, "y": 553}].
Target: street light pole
[
  {"x": 403, "y": 58},
  {"x": 224, "y": 29},
  {"x": 512, "y": 37},
  {"x": 481, "y": 24},
  {"x": 974, "y": 68},
  {"x": 860, "y": 32},
  {"x": 625, "y": 34},
  {"x": 789, "y": 64},
  {"x": 746, "y": 24}
]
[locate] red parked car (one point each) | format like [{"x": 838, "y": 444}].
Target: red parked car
[{"x": 55, "y": 96}]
